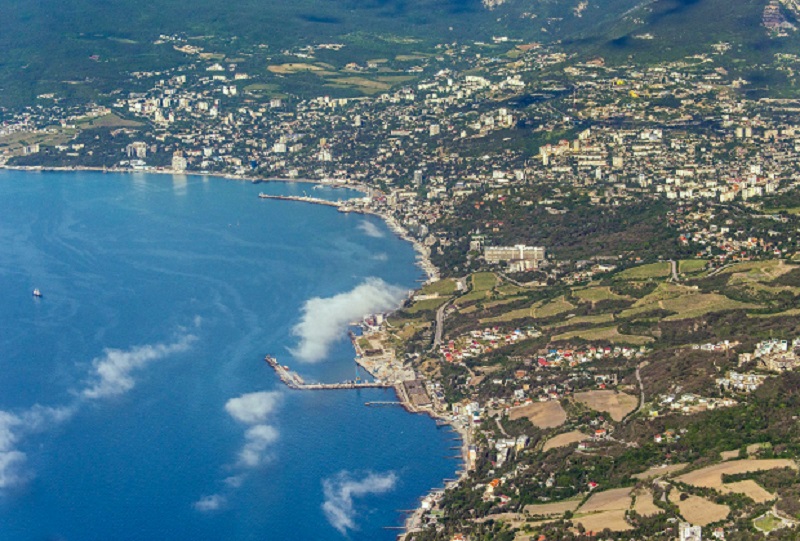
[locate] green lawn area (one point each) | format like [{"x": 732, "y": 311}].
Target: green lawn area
[
  {"x": 520, "y": 313},
  {"x": 767, "y": 523},
  {"x": 107, "y": 121},
  {"x": 429, "y": 304},
  {"x": 684, "y": 301},
  {"x": 646, "y": 272},
  {"x": 691, "y": 266},
  {"x": 442, "y": 287},
  {"x": 597, "y": 294},
  {"x": 483, "y": 281},
  {"x": 754, "y": 267},
  {"x": 501, "y": 302},
  {"x": 794, "y": 312},
  {"x": 598, "y": 319},
  {"x": 553, "y": 308}
]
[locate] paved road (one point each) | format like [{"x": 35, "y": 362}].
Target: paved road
[
  {"x": 674, "y": 270},
  {"x": 641, "y": 387},
  {"x": 719, "y": 270},
  {"x": 437, "y": 338}
]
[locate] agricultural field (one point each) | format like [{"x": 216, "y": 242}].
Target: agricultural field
[
  {"x": 749, "y": 488},
  {"x": 562, "y": 440},
  {"x": 711, "y": 476},
  {"x": 659, "y": 471},
  {"x": 603, "y": 334},
  {"x": 542, "y": 414},
  {"x": 698, "y": 510},
  {"x": 618, "y": 405},
  {"x": 597, "y": 522},
  {"x": 644, "y": 505},
  {"x": 552, "y": 509},
  {"x": 608, "y": 500}
]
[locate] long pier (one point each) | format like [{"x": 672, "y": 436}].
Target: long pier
[
  {"x": 302, "y": 198},
  {"x": 294, "y": 381}
]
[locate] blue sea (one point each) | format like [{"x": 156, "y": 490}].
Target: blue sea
[{"x": 134, "y": 400}]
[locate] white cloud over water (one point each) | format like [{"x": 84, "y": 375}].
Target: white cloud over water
[
  {"x": 253, "y": 408},
  {"x": 371, "y": 230},
  {"x": 257, "y": 439},
  {"x": 340, "y": 491},
  {"x": 325, "y": 319},
  {"x": 112, "y": 373}
]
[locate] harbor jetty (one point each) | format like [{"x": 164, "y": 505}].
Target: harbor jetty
[{"x": 295, "y": 381}]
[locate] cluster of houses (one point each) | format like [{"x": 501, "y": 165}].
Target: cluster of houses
[
  {"x": 689, "y": 403},
  {"x": 741, "y": 382},
  {"x": 775, "y": 355},
  {"x": 559, "y": 357},
  {"x": 479, "y": 342}
]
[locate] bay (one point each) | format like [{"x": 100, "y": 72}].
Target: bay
[{"x": 135, "y": 401}]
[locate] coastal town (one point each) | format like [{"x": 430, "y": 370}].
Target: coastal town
[{"x": 609, "y": 319}]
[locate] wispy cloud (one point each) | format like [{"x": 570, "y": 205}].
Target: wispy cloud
[
  {"x": 112, "y": 373},
  {"x": 111, "y": 376},
  {"x": 13, "y": 428},
  {"x": 324, "y": 320},
  {"x": 208, "y": 504},
  {"x": 370, "y": 229},
  {"x": 339, "y": 492}
]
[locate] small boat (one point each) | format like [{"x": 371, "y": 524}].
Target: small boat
[
  {"x": 37, "y": 293},
  {"x": 262, "y": 195}
]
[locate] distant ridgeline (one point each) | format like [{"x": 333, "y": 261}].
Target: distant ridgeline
[{"x": 76, "y": 51}]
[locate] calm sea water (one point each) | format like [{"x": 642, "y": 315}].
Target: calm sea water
[{"x": 135, "y": 402}]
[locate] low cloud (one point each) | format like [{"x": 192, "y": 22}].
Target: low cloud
[
  {"x": 324, "y": 320},
  {"x": 208, "y": 504},
  {"x": 371, "y": 230},
  {"x": 252, "y": 408},
  {"x": 340, "y": 491},
  {"x": 112, "y": 373},
  {"x": 257, "y": 439}
]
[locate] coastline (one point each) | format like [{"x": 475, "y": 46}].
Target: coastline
[
  {"x": 413, "y": 522},
  {"x": 356, "y": 186}
]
